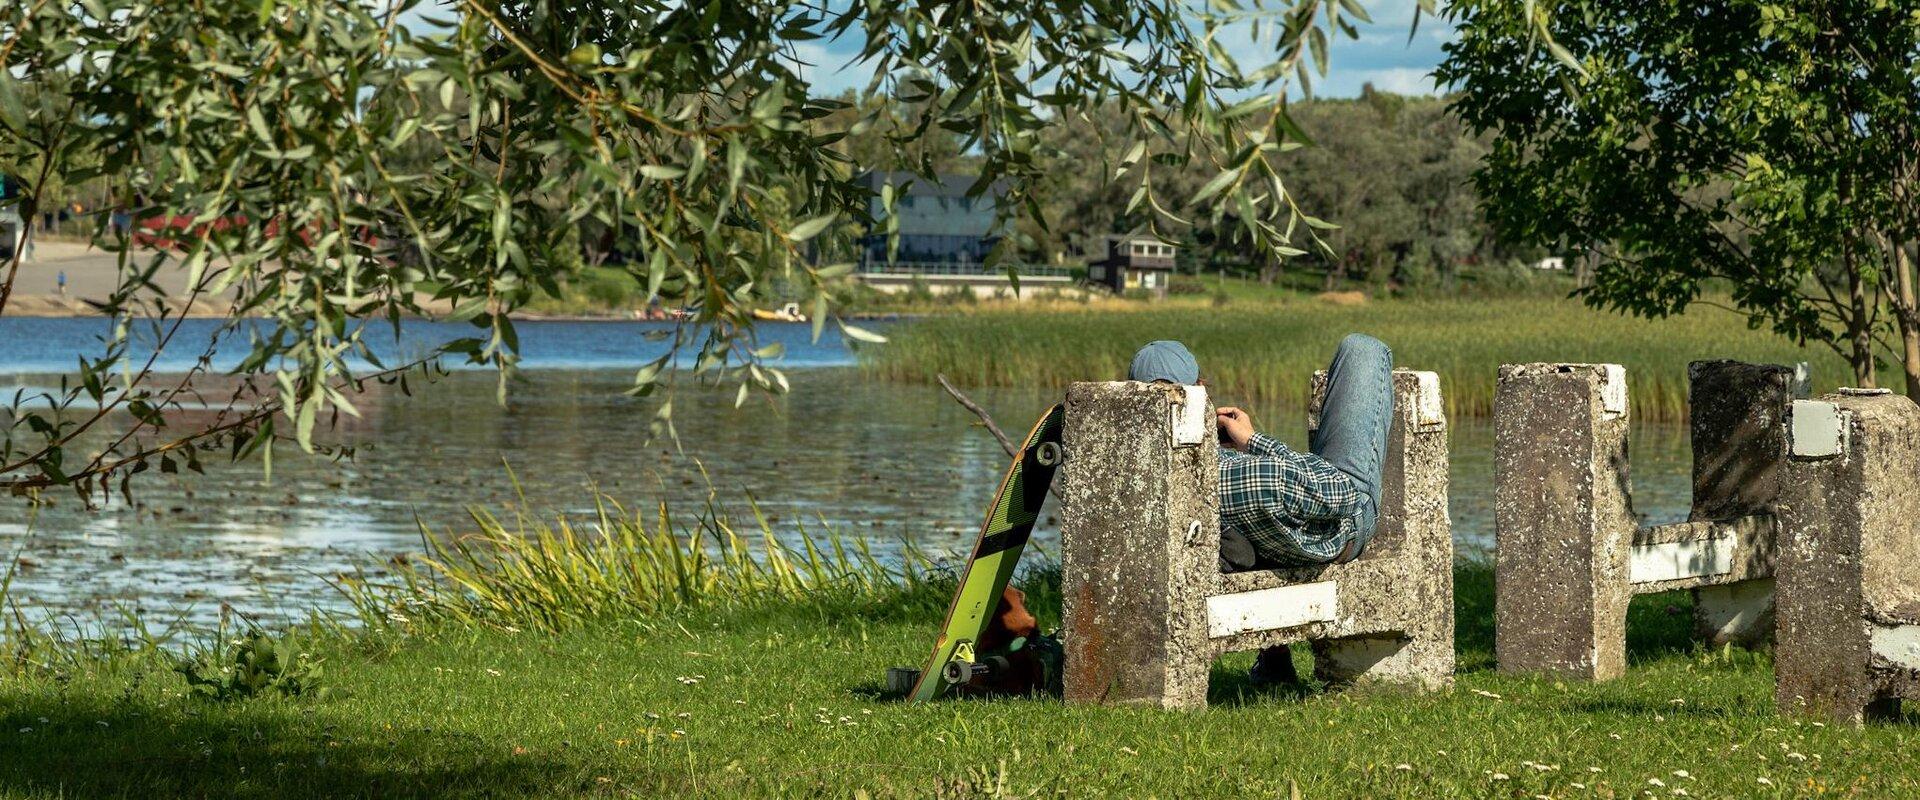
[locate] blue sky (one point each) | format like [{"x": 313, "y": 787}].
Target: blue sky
[{"x": 1382, "y": 55}]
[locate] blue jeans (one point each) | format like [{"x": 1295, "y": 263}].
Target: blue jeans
[{"x": 1355, "y": 421}]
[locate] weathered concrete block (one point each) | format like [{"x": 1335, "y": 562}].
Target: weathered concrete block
[
  {"x": 1146, "y": 609},
  {"x": 1737, "y": 415},
  {"x": 1140, "y": 533},
  {"x": 1849, "y": 572},
  {"x": 1738, "y": 419},
  {"x": 1563, "y": 520},
  {"x": 1569, "y": 554}
]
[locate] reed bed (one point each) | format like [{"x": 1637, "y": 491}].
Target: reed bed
[
  {"x": 1265, "y": 353},
  {"x": 552, "y": 574}
]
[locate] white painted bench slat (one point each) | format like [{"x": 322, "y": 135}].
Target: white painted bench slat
[
  {"x": 1669, "y": 561},
  {"x": 1271, "y": 609}
]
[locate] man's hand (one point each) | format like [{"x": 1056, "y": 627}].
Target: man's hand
[{"x": 1236, "y": 427}]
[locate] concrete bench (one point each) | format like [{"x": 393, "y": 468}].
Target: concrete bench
[
  {"x": 1569, "y": 551},
  {"x": 1849, "y": 571},
  {"x": 1147, "y": 609}
]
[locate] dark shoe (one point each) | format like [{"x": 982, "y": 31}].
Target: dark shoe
[{"x": 1273, "y": 667}]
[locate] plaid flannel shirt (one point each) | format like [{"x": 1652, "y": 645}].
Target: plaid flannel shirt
[{"x": 1294, "y": 507}]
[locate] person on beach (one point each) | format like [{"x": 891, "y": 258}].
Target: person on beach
[{"x": 1281, "y": 507}]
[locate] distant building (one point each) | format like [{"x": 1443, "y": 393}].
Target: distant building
[
  {"x": 1551, "y": 263},
  {"x": 1135, "y": 261},
  {"x": 944, "y": 237},
  {"x": 13, "y": 230}
]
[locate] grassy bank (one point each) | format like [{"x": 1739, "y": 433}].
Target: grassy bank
[
  {"x": 677, "y": 670},
  {"x": 1263, "y": 353},
  {"x": 783, "y": 701}
]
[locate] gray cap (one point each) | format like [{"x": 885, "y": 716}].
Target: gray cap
[{"x": 1164, "y": 360}]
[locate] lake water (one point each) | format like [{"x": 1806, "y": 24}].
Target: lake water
[{"x": 889, "y": 462}]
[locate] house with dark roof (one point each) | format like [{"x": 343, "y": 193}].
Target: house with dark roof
[
  {"x": 1135, "y": 261},
  {"x": 944, "y": 235}
]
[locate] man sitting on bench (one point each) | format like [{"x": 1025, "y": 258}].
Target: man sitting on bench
[{"x": 1280, "y": 507}]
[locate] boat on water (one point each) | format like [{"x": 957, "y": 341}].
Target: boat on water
[{"x": 787, "y": 313}]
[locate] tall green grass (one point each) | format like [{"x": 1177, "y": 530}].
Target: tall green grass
[
  {"x": 1265, "y": 353},
  {"x": 552, "y": 574}
]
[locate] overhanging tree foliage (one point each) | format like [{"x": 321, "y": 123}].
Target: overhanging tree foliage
[
  {"x": 348, "y": 164},
  {"x": 1774, "y": 147}
]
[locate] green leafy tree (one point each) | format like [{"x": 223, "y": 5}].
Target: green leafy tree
[
  {"x": 1767, "y": 148},
  {"x": 347, "y": 165}
]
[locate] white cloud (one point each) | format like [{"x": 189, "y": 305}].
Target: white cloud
[{"x": 1398, "y": 80}]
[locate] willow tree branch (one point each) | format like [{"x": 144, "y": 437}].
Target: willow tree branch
[{"x": 985, "y": 418}]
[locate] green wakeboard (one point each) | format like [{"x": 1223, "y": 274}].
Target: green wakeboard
[{"x": 1002, "y": 538}]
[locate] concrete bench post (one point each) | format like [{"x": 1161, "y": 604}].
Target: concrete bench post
[
  {"x": 1146, "y": 607},
  {"x": 1569, "y": 551},
  {"x": 1737, "y": 419},
  {"x": 1563, "y": 519},
  {"x": 1849, "y": 574}
]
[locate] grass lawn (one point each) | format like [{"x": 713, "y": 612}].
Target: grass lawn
[{"x": 784, "y": 701}]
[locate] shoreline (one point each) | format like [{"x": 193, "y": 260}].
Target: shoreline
[{"x": 58, "y": 307}]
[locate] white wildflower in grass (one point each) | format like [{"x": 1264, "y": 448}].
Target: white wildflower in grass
[
  {"x": 1129, "y": 751},
  {"x": 1500, "y": 776},
  {"x": 1403, "y": 767},
  {"x": 1680, "y": 793},
  {"x": 1577, "y": 785},
  {"x": 1763, "y": 781},
  {"x": 1656, "y": 782},
  {"x": 683, "y": 715},
  {"x": 100, "y": 722},
  {"x": 1819, "y": 724},
  {"x": 1595, "y": 770},
  {"x": 494, "y": 672},
  {"x": 26, "y": 730},
  {"x": 1614, "y": 736},
  {"x": 1797, "y": 756},
  {"x": 1485, "y": 693},
  {"x": 1681, "y": 773},
  {"x": 739, "y": 702}
]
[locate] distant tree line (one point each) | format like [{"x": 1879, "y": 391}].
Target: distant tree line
[{"x": 1394, "y": 173}]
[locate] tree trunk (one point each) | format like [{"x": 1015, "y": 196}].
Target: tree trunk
[
  {"x": 1905, "y": 316},
  {"x": 1269, "y": 270},
  {"x": 1858, "y": 330}
]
